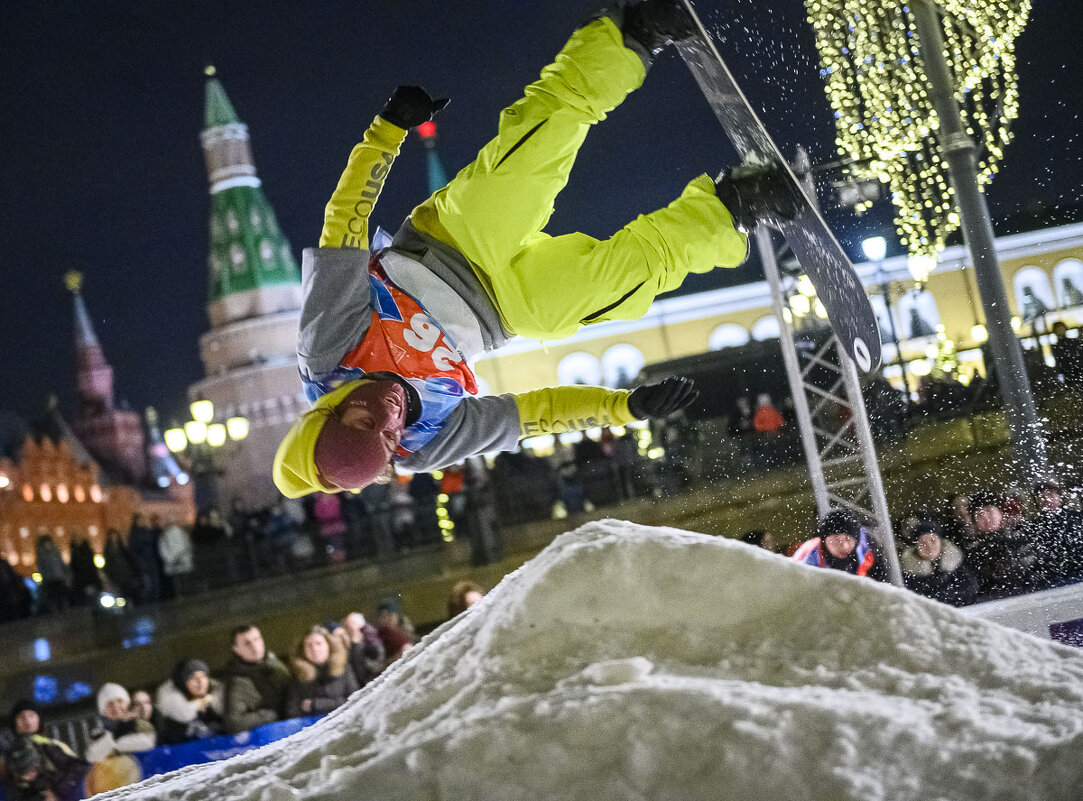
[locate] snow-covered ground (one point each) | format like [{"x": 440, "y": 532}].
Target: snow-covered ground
[{"x": 627, "y": 662}]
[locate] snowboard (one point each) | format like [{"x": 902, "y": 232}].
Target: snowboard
[{"x": 821, "y": 257}]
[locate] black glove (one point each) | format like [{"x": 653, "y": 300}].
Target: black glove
[
  {"x": 411, "y": 105},
  {"x": 662, "y": 399},
  {"x": 754, "y": 192}
]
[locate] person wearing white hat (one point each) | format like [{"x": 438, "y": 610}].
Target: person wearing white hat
[{"x": 119, "y": 731}]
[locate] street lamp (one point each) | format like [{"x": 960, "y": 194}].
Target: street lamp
[
  {"x": 875, "y": 249},
  {"x": 200, "y": 437}
]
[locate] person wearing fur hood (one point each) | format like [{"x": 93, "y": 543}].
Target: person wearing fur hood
[
  {"x": 322, "y": 679},
  {"x": 934, "y": 566},
  {"x": 190, "y": 703}
]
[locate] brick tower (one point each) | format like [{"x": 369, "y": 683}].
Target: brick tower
[
  {"x": 114, "y": 436},
  {"x": 254, "y": 302}
]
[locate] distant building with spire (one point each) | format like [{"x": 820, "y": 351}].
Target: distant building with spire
[
  {"x": 253, "y": 306},
  {"x": 80, "y": 479}
]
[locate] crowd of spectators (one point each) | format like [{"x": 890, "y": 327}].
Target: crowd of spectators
[
  {"x": 326, "y": 664},
  {"x": 975, "y": 547}
]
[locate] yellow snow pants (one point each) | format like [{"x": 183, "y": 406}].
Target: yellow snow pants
[{"x": 494, "y": 210}]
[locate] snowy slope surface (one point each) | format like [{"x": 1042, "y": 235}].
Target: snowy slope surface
[{"x": 627, "y": 662}]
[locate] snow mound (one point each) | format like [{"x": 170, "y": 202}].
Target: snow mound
[{"x": 627, "y": 662}]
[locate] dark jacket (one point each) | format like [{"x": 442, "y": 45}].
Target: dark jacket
[
  {"x": 327, "y": 685},
  {"x": 255, "y": 692},
  {"x": 182, "y": 719},
  {"x": 59, "y": 771},
  {"x": 946, "y": 579},
  {"x": 366, "y": 658}
]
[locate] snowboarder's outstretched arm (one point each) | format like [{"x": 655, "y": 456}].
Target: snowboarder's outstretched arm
[
  {"x": 498, "y": 422},
  {"x": 346, "y": 217}
]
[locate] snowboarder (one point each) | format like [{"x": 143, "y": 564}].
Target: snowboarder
[{"x": 386, "y": 337}]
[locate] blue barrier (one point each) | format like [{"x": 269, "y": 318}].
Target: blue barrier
[{"x": 165, "y": 758}]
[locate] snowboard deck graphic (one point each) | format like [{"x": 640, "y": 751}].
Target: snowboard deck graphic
[{"x": 821, "y": 257}]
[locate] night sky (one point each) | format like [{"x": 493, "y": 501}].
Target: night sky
[{"x": 102, "y": 104}]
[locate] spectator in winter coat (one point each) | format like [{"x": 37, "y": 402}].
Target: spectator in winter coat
[
  {"x": 37, "y": 768},
  {"x": 178, "y": 558},
  {"x": 86, "y": 583},
  {"x": 25, "y": 718},
  {"x": 143, "y": 546},
  {"x": 119, "y": 568},
  {"x": 119, "y": 730},
  {"x": 761, "y": 539},
  {"x": 365, "y": 652},
  {"x": 55, "y": 589},
  {"x": 190, "y": 703},
  {"x": 1005, "y": 562},
  {"x": 463, "y": 595},
  {"x": 143, "y": 708},
  {"x": 256, "y": 682},
  {"x": 841, "y": 543},
  {"x": 933, "y": 566},
  {"x": 395, "y": 629},
  {"x": 16, "y": 602},
  {"x": 767, "y": 419},
  {"x": 322, "y": 679},
  {"x": 1057, "y": 534}
]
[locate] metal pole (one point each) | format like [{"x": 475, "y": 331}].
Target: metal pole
[
  {"x": 960, "y": 153},
  {"x": 872, "y": 467},
  {"x": 766, "y": 249},
  {"x": 885, "y": 291}
]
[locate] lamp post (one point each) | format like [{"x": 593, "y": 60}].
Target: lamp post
[
  {"x": 960, "y": 153},
  {"x": 199, "y": 439},
  {"x": 875, "y": 250}
]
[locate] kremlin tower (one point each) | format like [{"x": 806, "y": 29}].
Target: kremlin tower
[
  {"x": 254, "y": 301},
  {"x": 113, "y": 435}
]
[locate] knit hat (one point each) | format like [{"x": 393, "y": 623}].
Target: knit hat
[
  {"x": 983, "y": 498},
  {"x": 353, "y": 458},
  {"x": 840, "y": 521},
  {"x": 110, "y": 691},
  {"x": 347, "y": 457},
  {"x": 185, "y": 670}
]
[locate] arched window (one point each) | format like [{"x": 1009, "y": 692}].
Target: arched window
[
  {"x": 1033, "y": 294},
  {"x": 728, "y": 335},
  {"x": 918, "y": 316},
  {"x": 1068, "y": 282},
  {"x": 620, "y": 365},
  {"x": 579, "y": 368},
  {"x": 766, "y": 328}
]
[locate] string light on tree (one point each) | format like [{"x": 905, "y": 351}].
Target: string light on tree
[{"x": 876, "y": 84}]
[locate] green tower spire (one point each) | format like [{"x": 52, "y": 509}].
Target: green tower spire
[{"x": 247, "y": 250}]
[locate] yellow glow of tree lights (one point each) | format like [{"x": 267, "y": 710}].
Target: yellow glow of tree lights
[{"x": 871, "y": 58}]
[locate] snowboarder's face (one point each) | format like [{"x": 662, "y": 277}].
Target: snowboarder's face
[
  {"x": 379, "y": 407},
  {"x": 840, "y": 545}
]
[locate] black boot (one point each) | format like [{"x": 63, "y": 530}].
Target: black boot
[
  {"x": 752, "y": 192},
  {"x": 656, "y": 24}
]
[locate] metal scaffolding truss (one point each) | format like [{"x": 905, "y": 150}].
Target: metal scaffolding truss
[{"x": 830, "y": 412}]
